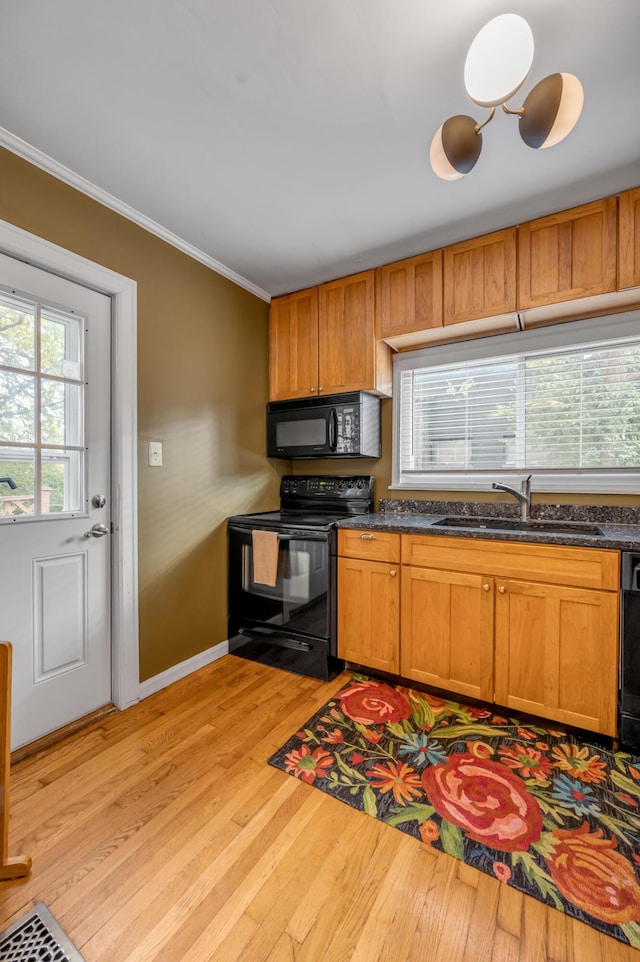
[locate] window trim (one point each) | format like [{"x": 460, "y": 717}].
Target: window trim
[{"x": 574, "y": 480}]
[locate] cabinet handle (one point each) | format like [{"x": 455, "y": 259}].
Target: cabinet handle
[
  {"x": 366, "y": 537},
  {"x": 502, "y": 589},
  {"x": 320, "y": 389},
  {"x": 485, "y": 587},
  {"x": 312, "y": 390},
  {"x": 392, "y": 573}
]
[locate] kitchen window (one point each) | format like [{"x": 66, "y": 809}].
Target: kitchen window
[{"x": 561, "y": 403}]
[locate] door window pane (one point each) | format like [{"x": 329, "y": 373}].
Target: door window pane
[
  {"x": 17, "y": 407},
  {"x": 19, "y": 465},
  {"x": 61, "y": 488},
  {"x": 60, "y": 412},
  {"x": 61, "y": 344},
  {"x": 17, "y": 332}
]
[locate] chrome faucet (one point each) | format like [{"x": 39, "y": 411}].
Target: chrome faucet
[{"x": 523, "y": 496}]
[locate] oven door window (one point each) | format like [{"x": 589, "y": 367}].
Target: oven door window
[{"x": 298, "y": 600}]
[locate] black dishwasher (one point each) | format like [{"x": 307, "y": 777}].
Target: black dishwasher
[{"x": 629, "y": 701}]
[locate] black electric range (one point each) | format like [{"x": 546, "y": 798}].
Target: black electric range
[{"x": 291, "y": 622}]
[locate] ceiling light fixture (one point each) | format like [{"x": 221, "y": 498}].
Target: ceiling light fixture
[{"x": 497, "y": 64}]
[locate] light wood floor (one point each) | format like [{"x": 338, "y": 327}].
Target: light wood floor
[{"x": 161, "y": 835}]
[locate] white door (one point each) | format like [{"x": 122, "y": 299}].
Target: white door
[{"x": 55, "y": 596}]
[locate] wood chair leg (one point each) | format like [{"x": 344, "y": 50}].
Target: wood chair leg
[{"x": 18, "y": 866}]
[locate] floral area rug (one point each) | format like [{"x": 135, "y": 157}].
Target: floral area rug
[{"x": 557, "y": 818}]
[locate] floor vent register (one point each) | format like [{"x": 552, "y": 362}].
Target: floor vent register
[{"x": 37, "y": 937}]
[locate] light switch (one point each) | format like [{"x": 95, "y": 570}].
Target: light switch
[{"x": 155, "y": 454}]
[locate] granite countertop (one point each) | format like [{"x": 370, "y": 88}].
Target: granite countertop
[{"x": 616, "y": 533}]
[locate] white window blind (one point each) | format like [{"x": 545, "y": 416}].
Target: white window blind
[{"x": 561, "y": 412}]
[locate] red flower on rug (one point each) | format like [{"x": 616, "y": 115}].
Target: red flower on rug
[
  {"x": 594, "y": 876},
  {"x": 502, "y": 872},
  {"x": 486, "y": 800},
  {"x": 372, "y": 703},
  {"x": 305, "y": 764},
  {"x": 429, "y": 832},
  {"x": 334, "y": 738}
]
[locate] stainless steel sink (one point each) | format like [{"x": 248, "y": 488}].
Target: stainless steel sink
[{"x": 512, "y": 524}]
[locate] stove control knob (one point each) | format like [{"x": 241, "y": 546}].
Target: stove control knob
[{"x": 360, "y": 483}]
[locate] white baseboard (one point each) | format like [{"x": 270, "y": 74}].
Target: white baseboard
[{"x": 165, "y": 678}]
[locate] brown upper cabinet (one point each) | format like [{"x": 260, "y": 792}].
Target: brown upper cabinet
[
  {"x": 409, "y": 295},
  {"x": 629, "y": 239},
  {"x": 323, "y": 341},
  {"x": 568, "y": 255},
  {"x": 293, "y": 345},
  {"x": 480, "y": 277},
  {"x": 572, "y": 264}
]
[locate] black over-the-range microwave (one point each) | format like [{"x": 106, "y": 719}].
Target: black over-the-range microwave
[{"x": 335, "y": 426}]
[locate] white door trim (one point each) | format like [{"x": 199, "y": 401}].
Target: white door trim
[{"x": 125, "y": 670}]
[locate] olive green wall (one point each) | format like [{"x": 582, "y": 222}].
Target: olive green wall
[
  {"x": 202, "y": 390},
  {"x": 381, "y": 471}
]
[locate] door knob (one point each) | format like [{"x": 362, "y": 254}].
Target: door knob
[
  {"x": 98, "y": 501},
  {"x": 97, "y": 531}
]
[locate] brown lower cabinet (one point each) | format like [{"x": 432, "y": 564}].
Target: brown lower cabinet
[
  {"x": 556, "y": 653},
  {"x": 369, "y": 586},
  {"x": 447, "y": 630},
  {"x": 530, "y": 627}
]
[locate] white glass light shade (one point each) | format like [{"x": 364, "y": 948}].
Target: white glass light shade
[
  {"x": 455, "y": 147},
  {"x": 551, "y": 110},
  {"x": 498, "y": 60}
]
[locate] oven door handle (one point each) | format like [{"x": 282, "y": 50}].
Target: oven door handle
[{"x": 303, "y": 536}]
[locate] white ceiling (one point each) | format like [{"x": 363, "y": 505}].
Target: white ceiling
[{"x": 289, "y": 139}]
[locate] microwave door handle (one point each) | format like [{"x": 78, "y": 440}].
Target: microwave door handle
[{"x": 333, "y": 430}]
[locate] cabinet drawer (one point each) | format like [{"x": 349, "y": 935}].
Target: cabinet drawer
[
  {"x": 553, "y": 564},
  {"x": 369, "y": 545}
]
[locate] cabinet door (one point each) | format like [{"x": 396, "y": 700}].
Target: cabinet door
[
  {"x": 447, "y": 630},
  {"x": 568, "y": 255},
  {"x": 347, "y": 334},
  {"x": 369, "y": 613},
  {"x": 557, "y": 653},
  {"x": 629, "y": 239},
  {"x": 409, "y": 295},
  {"x": 480, "y": 277},
  {"x": 293, "y": 345}
]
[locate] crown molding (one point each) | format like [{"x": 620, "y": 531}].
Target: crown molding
[{"x": 39, "y": 159}]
